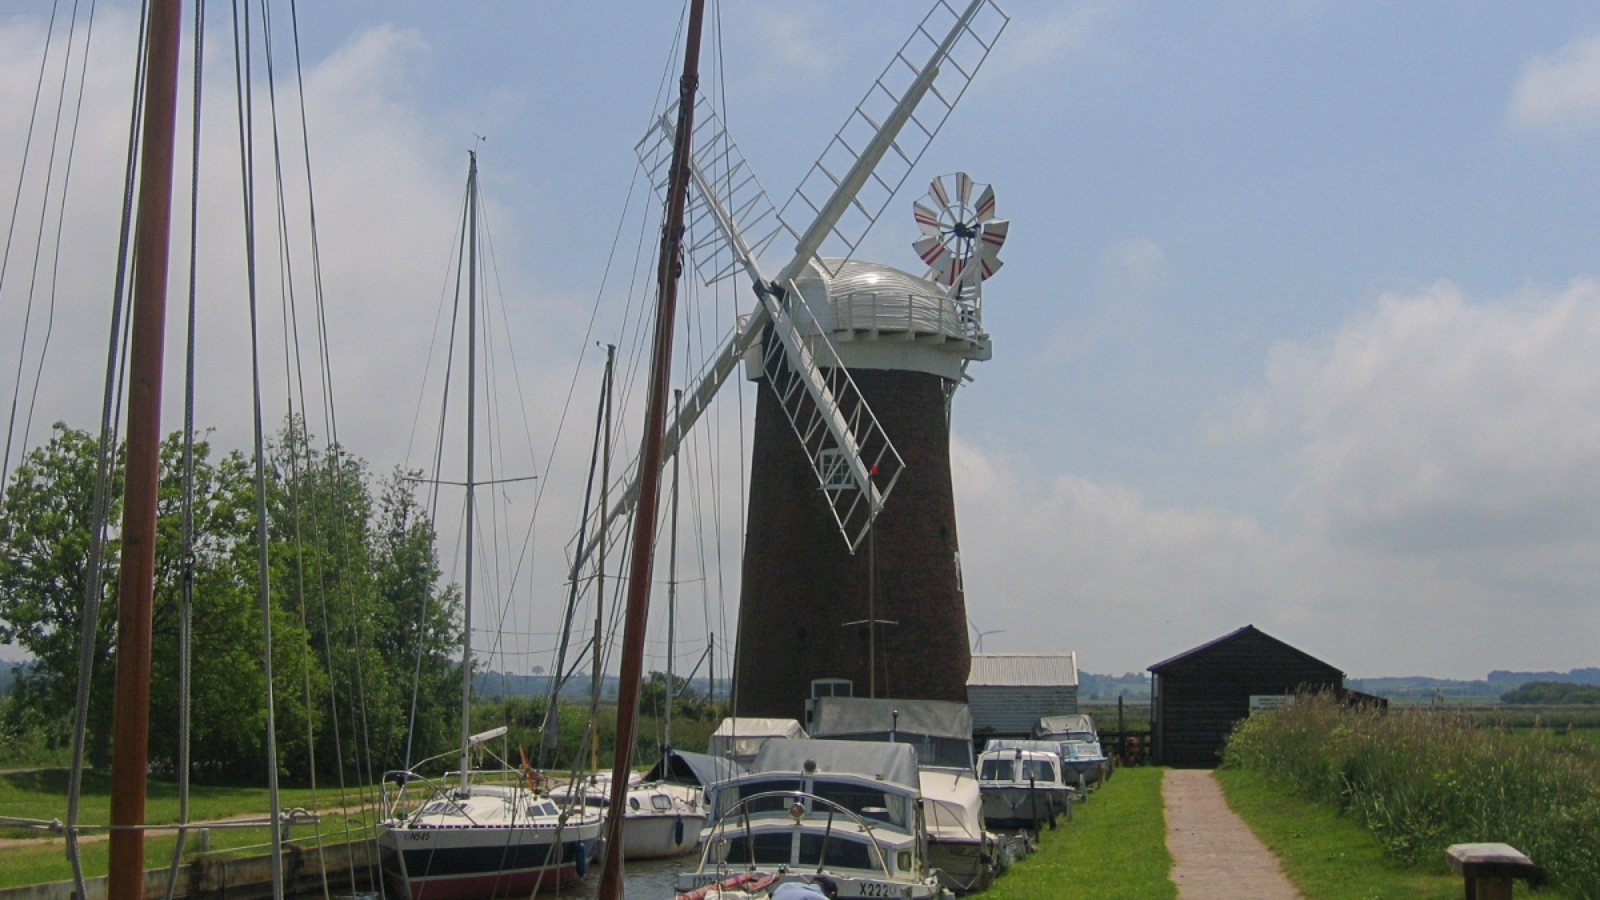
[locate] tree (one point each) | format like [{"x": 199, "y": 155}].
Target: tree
[{"x": 357, "y": 611}]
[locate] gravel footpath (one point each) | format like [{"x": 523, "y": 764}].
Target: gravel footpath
[{"x": 1215, "y": 855}]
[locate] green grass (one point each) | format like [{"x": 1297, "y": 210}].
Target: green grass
[
  {"x": 1330, "y": 857},
  {"x": 42, "y": 795},
  {"x": 1114, "y": 849}
]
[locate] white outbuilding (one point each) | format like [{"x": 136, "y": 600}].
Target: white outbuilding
[{"x": 1010, "y": 692}]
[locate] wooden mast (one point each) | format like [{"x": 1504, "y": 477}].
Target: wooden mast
[
  {"x": 668, "y": 267},
  {"x": 136, "y": 586}
]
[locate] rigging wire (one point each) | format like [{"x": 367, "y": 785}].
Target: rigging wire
[
  {"x": 186, "y": 556},
  {"x": 111, "y": 401},
  {"x": 242, "y": 81},
  {"x": 11, "y": 228},
  {"x": 61, "y": 218}
]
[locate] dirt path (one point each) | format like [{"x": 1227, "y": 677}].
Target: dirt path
[{"x": 1215, "y": 855}]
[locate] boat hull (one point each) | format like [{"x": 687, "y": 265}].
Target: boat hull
[
  {"x": 1023, "y": 807},
  {"x": 964, "y": 867},
  {"x": 661, "y": 836},
  {"x": 476, "y": 863}
]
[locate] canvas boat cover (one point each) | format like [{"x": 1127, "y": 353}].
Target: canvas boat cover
[
  {"x": 1051, "y": 747},
  {"x": 838, "y": 716},
  {"x": 952, "y": 806},
  {"x": 892, "y": 763},
  {"x": 1060, "y": 726},
  {"x": 700, "y": 769},
  {"x": 741, "y": 738},
  {"x": 940, "y": 729}
]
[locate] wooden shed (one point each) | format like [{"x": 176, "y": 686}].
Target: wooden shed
[
  {"x": 1197, "y": 696},
  {"x": 1009, "y": 692}
]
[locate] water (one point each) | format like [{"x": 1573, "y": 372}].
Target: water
[{"x": 647, "y": 879}]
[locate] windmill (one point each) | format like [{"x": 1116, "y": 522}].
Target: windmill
[{"x": 839, "y": 344}]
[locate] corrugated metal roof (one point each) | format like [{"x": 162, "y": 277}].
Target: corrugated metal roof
[{"x": 1024, "y": 670}]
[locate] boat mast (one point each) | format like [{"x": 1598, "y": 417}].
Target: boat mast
[
  {"x": 472, "y": 423},
  {"x": 136, "y": 587},
  {"x": 672, "y": 587},
  {"x": 668, "y": 267},
  {"x": 598, "y": 678}
]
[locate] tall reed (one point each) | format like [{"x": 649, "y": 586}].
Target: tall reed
[{"x": 1422, "y": 780}]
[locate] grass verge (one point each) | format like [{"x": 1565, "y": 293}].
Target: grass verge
[
  {"x": 34, "y": 857},
  {"x": 1114, "y": 849},
  {"x": 1330, "y": 857}
]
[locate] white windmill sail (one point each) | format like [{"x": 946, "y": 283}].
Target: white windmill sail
[{"x": 851, "y": 456}]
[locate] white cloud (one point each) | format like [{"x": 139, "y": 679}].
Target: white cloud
[
  {"x": 1434, "y": 423},
  {"x": 1062, "y": 563},
  {"x": 1560, "y": 93}
]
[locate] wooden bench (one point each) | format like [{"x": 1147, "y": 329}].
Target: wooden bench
[{"x": 1489, "y": 869}]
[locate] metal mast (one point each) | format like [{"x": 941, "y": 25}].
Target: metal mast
[
  {"x": 472, "y": 435},
  {"x": 668, "y": 267},
  {"x": 136, "y": 588}
]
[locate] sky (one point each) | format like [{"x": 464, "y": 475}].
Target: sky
[{"x": 1299, "y": 324}]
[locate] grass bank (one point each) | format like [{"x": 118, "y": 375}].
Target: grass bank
[
  {"x": 1328, "y": 856},
  {"x": 1419, "y": 782},
  {"x": 28, "y": 856},
  {"x": 1114, "y": 849}
]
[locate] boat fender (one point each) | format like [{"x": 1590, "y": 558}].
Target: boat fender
[
  {"x": 677, "y": 833},
  {"x": 580, "y": 859}
]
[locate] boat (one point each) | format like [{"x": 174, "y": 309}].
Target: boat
[
  {"x": 965, "y": 854},
  {"x": 845, "y": 817},
  {"x": 741, "y": 738},
  {"x": 1022, "y": 785},
  {"x": 478, "y": 834},
  {"x": 1082, "y": 756},
  {"x": 658, "y": 822},
  {"x": 689, "y": 775}
]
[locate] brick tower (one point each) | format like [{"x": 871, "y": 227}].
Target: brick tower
[{"x": 804, "y": 605}]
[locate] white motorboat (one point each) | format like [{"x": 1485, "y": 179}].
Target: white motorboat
[
  {"x": 1022, "y": 786},
  {"x": 1082, "y": 756},
  {"x": 839, "y": 814},
  {"x": 966, "y": 856}
]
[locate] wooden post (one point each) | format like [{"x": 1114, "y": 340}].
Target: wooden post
[{"x": 136, "y": 586}]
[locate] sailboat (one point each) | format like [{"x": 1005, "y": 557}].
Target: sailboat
[{"x": 470, "y": 839}]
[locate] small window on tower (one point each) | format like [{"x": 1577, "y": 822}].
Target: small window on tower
[{"x": 834, "y": 470}]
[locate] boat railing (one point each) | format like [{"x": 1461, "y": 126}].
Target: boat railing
[{"x": 797, "y": 811}]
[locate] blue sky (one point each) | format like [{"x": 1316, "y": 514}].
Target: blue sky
[{"x": 1299, "y": 324}]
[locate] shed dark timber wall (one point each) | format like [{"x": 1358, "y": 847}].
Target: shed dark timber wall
[
  {"x": 800, "y": 582},
  {"x": 1201, "y": 697}
]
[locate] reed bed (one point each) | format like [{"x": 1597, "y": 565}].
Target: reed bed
[{"x": 1421, "y": 781}]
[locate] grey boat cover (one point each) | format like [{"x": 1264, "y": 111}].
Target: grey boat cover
[
  {"x": 941, "y": 730},
  {"x": 1061, "y": 726},
  {"x": 683, "y": 767},
  {"x": 1051, "y": 747},
  {"x": 741, "y": 738},
  {"x": 893, "y": 763}
]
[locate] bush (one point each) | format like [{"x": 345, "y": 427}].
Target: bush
[
  {"x": 1421, "y": 781},
  {"x": 1553, "y": 693}
]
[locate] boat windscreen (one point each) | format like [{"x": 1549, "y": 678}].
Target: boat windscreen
[
  {"x": 1039, "y": 770},
  {"x": 728, "y": 799},
  {"x": 843, "y": 852},
  {"x": 996, "y": 770},
  {"x": 866, "y": 802},
  {"x": 772, "y": 848}
]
